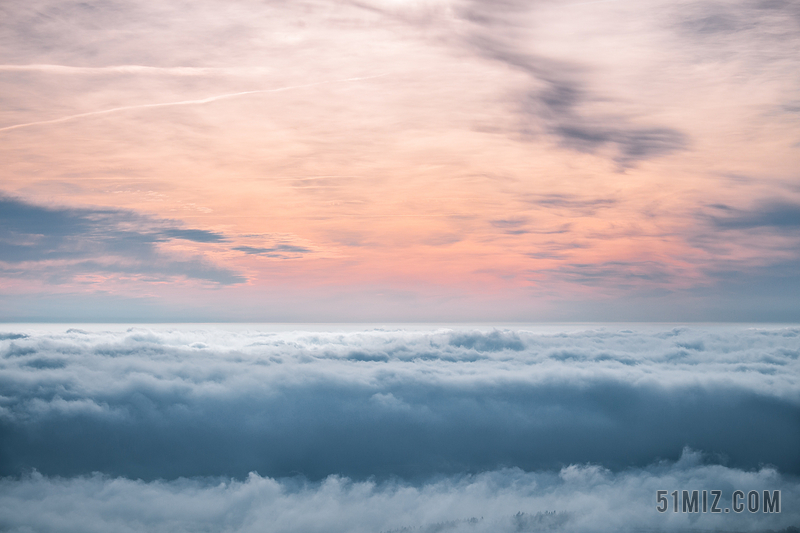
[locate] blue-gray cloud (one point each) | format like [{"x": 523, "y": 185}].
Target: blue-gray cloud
[
  {"x": 634, "y": 144},
  {"x": 763, "y": 20},
  {"x": 508, "y": 223},
  {"x": 618, "y": 274},
  {"x": 277, "y": 251},
  {"x": 576, "y": 498},
  {"x": 196, "y": 235},
  {"x": 559, "y": 102},
  {"x": 581, "y": 204},
  {"x": 511, "y": 226},
  {"x": 98, "y": 240},
  {"x": 414, "y": 404},
  {"x": 554, "y": 429},
  {"x": 775, "y": 214}
]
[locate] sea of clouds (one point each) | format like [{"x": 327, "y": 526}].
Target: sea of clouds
[{"x": 267, "y": 428}]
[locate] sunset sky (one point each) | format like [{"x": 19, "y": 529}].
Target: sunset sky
[{"x": 400, "y": 160}]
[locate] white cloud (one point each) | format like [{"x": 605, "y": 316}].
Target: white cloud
[
  {"x": 496, "y": 501},
  {"x": 166, "y": 402}
]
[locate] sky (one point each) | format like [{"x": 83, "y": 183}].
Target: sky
[{"x": 399, "y": 160}]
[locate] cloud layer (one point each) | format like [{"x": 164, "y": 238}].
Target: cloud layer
[
  {"x": 576, "y": 498},
  {"x": 411, "y": 403}
]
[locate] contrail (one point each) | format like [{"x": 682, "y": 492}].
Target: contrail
[
  {"x": 134, "y": 69},
  {"x": 183, "y": 102}
]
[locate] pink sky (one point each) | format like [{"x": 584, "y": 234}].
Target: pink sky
[{"x": 400, "y": 160}]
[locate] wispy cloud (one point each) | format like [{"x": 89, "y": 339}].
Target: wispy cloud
[
  {"x": 179, "y": 103},
  {"x": 511, "y": 226},
  {"x": 774, "y": 214},
  {"x": 136, "y": 69},
  {"x": 577, "y": 204},
  {"x": 279, "y": 250},
  {"x": 84, "y": 240},
  {"x": 577, "y": 498},
  {"x": 614, "y": 274},
  {"x": 561, "y": 98}
]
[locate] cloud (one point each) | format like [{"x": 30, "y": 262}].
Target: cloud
[
  {"x": 508, "y": 223},
  {"x": 633, "y": 144},
  {"x": 279, "y": 250},
  {"x": 38, "y": 32},
  {"x": 134, "y": 69},
  {"x": 577, "y": 498},
  {"x": 511, "y": 226},
  {"x": 171, "y": 104},
  {"x": 570, "y": 201},
  {"x": 757, "y": 20},
  {"x": 776, "y": 214},
  {"x": 278, "y": 246},
  {"x": 197, "y": 235},
  {"x": 560, "y": 104},
  {"x": 383, "y": 404},
  {"x": 97, "y": 240},
  {"x": 559, "y": 97},
  {"x": 12, "y": 336},
  {"x": 621, "y": 274},
  {"x": 495, "y": 341},
  {"x": 753, "y": 272}
]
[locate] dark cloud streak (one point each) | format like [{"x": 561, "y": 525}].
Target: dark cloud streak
[
  {"x": 276, "y": 251},
  {"x": 776, "y": 214},
  {"x": 100, "y": 240},
  {"x": 561, "y": 96}
]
